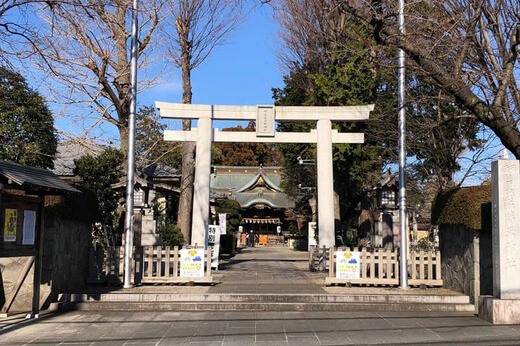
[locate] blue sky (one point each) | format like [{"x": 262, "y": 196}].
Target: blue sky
[{"x": 240, "y": 72}]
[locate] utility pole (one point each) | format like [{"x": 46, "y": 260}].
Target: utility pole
[
  {"x": 403, "y": 250},
  {"x": 129, "y": 216}
]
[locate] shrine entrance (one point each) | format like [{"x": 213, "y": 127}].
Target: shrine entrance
[{"x": 266, "y": 118}]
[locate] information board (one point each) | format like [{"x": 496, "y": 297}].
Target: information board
[
  {"x": 29, "y": 227},
  {"x": 222, "y": 221},
  {"x": 347, "y": 265},
  {"x": 11, "y": 221},
  {"x": 192, "y": 263}
]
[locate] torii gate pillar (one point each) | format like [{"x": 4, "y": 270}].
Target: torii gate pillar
[
  {"x": 200, "y": 220},
  {"x": 266, "y": 118},
  {"x": 325, "y": 181}
]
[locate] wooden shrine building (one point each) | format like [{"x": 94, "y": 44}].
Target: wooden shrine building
[{"x": 257, "y": 190}]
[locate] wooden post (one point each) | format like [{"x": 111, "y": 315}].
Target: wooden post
[
  {"x": 38, "y": 258},
  {"x": 332, "y": 262},
  {"x": 364, "y": 263},
  {"x": 372, "y": 264},
  {"x": 380, "y": 263},
  {"x": 149, "y": 250},
  {"x": 438, "y": 265},
  {"x": 175, "y": 261},
  {"x": 208, "y": 261},
  {"x": 158, "y": 269},
  {"x": 421, "y": 265},
  {"x": 167, "y": 264}
]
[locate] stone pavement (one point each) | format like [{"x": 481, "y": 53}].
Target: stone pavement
[
  {"x": 270, "y": 269},
  {"x": 259, "y": 328}
]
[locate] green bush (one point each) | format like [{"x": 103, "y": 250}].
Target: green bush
[
  {"x": 465, "y": 206},
  {"x": 171, "y": 235},
  {"x": 424, "y": 244}
]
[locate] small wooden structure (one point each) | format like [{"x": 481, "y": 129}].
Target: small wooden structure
[
  {"x": 22, "y": 197},
  {"x": 152, "y": 264},
  {"x": 381, "y": 267}
]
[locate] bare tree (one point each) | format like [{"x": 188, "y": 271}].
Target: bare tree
[
  {"x": 469, "y": 48},
  {"x": 83, "y": 46},
  {"x": 198, "y": 27}
]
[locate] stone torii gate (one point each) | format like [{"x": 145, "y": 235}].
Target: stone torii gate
[{"x": 266, "y": 118}]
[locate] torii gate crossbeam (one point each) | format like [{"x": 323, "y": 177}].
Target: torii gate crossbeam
[{"x": 266, "y": 118}]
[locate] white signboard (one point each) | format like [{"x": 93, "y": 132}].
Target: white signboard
[
  {"x": 29, "y": 227},
  {"x": 265, "y": 121},
  {"x": 192, "y": 263},
  {"x": 312, "y": 235},
  {"x": 347, "y": 265},
  {"x": 214, "y": 242},
  {"x": 222, "y": 223}
]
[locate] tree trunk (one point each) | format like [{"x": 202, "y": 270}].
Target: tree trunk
[
  {"x": 123, "y": 135},
  {"x": 188, "y": 152}
]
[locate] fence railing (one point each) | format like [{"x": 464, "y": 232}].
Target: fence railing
[
  {"x": 151, "y": 264},
  {"x": 381, "y": 267}
]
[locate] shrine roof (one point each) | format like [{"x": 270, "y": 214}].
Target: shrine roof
[
  {"x": 238, "y": 178},
  {"x": 32, "y": 178},
  {"x": 250, "y": 186}
]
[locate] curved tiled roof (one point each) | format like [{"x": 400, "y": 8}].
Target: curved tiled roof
[{"x": 240, "y": 184}]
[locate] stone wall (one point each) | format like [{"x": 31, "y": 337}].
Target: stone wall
[
  {"x": 64, "y": 267},
  {"x": 466, "y": 260},
  {"x": 66, "y": 254}
]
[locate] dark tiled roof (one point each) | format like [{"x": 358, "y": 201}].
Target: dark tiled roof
[
  {"x": 71, "y": 150},
  {"x": 35, "y": 178},
  {"x": 241, "y": 186},
  {"x": 160, "y": 170}
]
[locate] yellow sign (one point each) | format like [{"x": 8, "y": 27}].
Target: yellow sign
[
  {"x": 347, "y": 265},
  {"x": 11, "y": 218},
  {"x": 192, "y": 262}
]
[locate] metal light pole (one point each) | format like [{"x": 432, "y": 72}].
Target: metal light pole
[
  {"x": 403, "y": 250},
  {"x": 129, "y": 216}
]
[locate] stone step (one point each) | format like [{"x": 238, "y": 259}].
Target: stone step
[
  {"x": 269, "y": 298},
  {"x": 256, "y": 306}
]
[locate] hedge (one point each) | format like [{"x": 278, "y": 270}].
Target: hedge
[{"x": 464, "y": 206}]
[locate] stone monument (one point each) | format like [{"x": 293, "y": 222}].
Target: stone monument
[{"x": 504, "y": 306}]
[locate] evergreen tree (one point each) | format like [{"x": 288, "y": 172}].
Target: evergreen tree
[
  {"x": 27, "y": 133},
  {"x": 98, "y": 174}
]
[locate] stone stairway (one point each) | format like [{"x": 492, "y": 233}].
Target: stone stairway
[
  {"x": 265, "y": 302},
  {"x": 267, "y": 279}
]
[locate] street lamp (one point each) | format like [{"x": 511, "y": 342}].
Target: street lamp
[
  {"x": 129, "y": 219},
  {"x": 403, "y": 250}
]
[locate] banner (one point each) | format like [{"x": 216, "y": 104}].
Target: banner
[
  {"x": 347, "y": 265},
  {"x": 192, "y": 263},
  {"x": 222, "y": 223},
  {"x": 214, "y": 242},
  {"x": 312, "y": 235},
  {"x": 11, "y": 220}
]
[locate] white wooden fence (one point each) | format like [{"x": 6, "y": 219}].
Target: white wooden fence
[
  {"x": 151, "y": 264},
  {"x": 381, "y": 267}
]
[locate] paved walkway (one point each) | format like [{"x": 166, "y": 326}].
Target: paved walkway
[
  {"x": 270, "y": 269},
  {"x": 260, "y": 328}
]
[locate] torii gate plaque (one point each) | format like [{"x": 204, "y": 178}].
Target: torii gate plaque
[{"x": 266, "y": 118}]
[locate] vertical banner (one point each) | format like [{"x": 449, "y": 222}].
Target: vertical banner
[
  {"x": 214, "y": 242},
  {"x": 312, "y": 235},
  {"x": 11, "y": 220},
  {"x": 29, "y": 227},
  {"x": 192, "y": 263},
  {"x": 222, "y": 223},
  {"x": 347, "y": 265}
]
